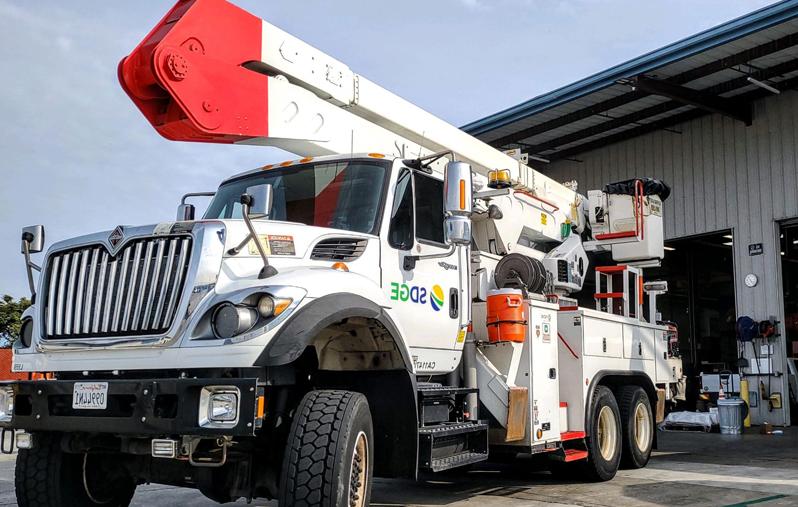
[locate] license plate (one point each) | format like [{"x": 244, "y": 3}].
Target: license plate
[{"x": 90, "y": 395}]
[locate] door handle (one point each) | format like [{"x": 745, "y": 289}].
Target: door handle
[{"x": 454, "y": 303}]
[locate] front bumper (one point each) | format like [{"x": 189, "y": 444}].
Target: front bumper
[{"x": 149, "y": 407}]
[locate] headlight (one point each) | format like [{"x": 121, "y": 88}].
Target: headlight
[
  {"x": 6, "y": 404},
  {"x": 26, "y": 333},
  {"x": 230, "y": 320},
  {"x": 218, "y": 406}
]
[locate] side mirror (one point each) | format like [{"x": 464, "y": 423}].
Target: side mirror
[
  {"x": 32, "y": 242},
  {"x": 261, "y": 200},
  {"x": 458, "y": 203},
  {"x": 457, "y": 189},
  {"x": 457, "y": 230},
  {"x": 33, "y": 238},
  {"x": 185, "y": 212}
]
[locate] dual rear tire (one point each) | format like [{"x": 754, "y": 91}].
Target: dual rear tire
[
  {"x": 621, "y": 433},
  {"x": 637, "y": 421}
]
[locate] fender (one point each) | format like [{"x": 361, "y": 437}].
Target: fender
[
  {"x": 296, "y": 334},
  {"x": 645, "y": 383}
]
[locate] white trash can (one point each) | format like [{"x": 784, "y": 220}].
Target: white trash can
[{"x": 730, "y": 416}]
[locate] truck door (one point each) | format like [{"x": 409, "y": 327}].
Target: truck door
[{"x": 427, "y": 295}]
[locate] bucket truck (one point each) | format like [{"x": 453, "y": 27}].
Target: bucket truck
[{"x": 396, "y": 300}]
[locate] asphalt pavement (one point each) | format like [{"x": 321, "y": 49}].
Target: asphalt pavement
[{"x": 687, "y": 470}]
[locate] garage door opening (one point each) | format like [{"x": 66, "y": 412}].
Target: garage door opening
[
  {"x": 788, "y": 239},
  {"x": 700, "y": 300}
]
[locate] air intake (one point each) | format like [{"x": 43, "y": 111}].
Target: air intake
[{"x": 339, "y": 249}]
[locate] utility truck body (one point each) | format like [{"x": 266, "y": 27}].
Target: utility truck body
[{"x": 396, "y": 301}]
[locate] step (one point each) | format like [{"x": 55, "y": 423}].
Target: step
[
  {"x": 436, "y": 390},
  {"x": 450, "y": 445},
  {"x": 458, "y": 460},
  {"x": 574, "y": 455},
  {"x": 572, "y": 435}
]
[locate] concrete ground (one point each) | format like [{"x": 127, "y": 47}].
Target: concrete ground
[{"x": 689, "y": 469}]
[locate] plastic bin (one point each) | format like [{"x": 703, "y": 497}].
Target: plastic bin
[{"x": 731, "y": 412}]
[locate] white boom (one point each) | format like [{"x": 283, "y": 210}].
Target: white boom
[{"x": 314, "y": 104}]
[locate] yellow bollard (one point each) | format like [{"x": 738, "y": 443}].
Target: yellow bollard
[{"x": 744, "y": 396}]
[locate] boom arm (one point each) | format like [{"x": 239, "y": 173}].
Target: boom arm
[{"x": 212, "y": 72}]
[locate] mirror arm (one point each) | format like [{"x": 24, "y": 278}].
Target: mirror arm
[
  {"x": 409, "y": 262},
  {"x": 196, "y": 194},
  {"x": 236, "y": 249},
  {"x": 28, "y": 265},
  {"x": 267, "y": 270}
]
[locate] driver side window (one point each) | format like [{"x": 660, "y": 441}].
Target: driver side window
[{"x": 400, "y": 234}]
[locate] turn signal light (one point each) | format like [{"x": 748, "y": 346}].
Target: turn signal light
[{"x": 340, "y": 266}]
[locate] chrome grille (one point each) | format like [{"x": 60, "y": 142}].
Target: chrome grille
[
  {"x": 338, "y": 249},
  {"x": 136, "y": 292}
]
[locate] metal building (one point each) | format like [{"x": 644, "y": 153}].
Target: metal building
[{"x": 715, "y": 116}]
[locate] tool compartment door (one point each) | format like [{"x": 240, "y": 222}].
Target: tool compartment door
[
  {"x": 544, "y": 373},
  {"x": 603, "y": 338}
]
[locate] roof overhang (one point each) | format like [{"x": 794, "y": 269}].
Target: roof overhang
[{"x": 720, "y": 70}]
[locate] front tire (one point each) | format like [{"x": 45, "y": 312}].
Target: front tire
[
  {"x": 638, "y": 426},
  {"x": 329, "y": 455},
  {"x": 46, "y": 476},
  {"x": 604, "y": 440}
]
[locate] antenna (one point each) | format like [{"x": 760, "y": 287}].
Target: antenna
[{"x": 421, "y": 145}]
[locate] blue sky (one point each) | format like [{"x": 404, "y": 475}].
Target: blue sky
[{"x": 78, "y": 157}]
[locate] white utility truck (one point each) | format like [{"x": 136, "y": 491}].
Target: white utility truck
[{"x": 396, "y": 301}]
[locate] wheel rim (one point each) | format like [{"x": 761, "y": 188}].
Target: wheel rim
[
  {"x": 358, "y": 473},
  {"x": 607, "y": 433},
  {"x": 642, "y": 427}
]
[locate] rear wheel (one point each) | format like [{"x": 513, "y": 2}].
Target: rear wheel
[
  {"x": 329, "y": 455},
  {"x": 46, "y": 476},
  {"x": 638, "y": 426},
  {"x": 604, "y": 439}
]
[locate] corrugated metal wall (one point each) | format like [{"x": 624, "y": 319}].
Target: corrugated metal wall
[{"x": 724, "y": 175}]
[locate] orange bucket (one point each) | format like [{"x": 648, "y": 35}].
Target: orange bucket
[{"x": 507, "y": 317}]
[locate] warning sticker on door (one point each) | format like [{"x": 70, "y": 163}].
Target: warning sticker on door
[{"x": 274, "y": 245}]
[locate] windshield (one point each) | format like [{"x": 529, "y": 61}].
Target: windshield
[{"x": 341, "y": 195}]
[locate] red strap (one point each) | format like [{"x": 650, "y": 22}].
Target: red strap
[{"x": 567, "y": 346}]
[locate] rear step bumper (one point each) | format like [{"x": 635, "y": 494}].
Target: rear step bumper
[{"x": 451, "y": 445}]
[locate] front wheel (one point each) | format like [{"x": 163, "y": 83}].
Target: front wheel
[
  {"x": 604, "y": 440},
  {"x": 329, "y": 454},
  {"x": 46, "y": 476}
]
